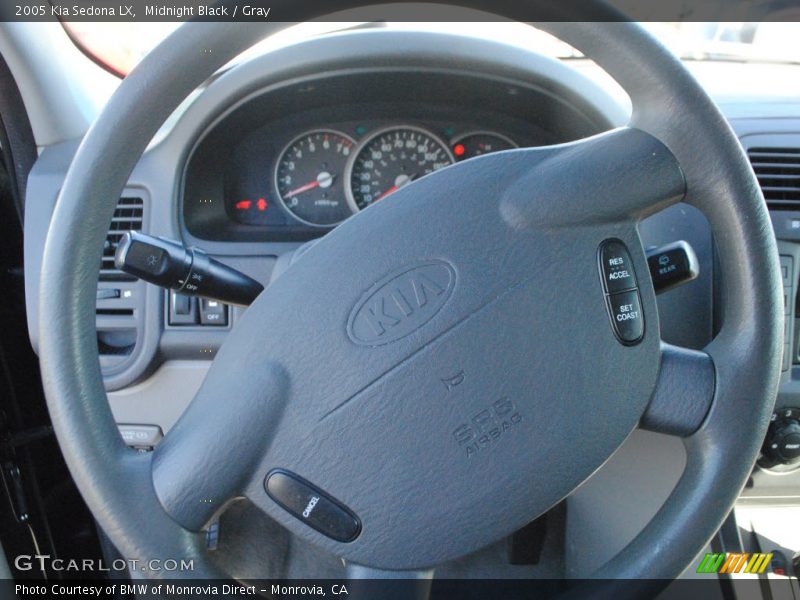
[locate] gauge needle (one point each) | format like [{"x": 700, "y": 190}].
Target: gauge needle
[
  {"x": 401, "y": 180},
  {"x": 323, "y": 180},
  {"x": 392, "y": 189}
]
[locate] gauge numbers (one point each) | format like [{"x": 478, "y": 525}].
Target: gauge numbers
[
  {"x": 309, "y": 177},
  {"x": 391, "y": 159}
]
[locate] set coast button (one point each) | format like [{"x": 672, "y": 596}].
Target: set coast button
[{"x": 627, "y": 320}]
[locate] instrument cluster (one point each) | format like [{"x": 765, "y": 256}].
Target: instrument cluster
[
  {"x": 323, "y": 176},
  {"x": 290, "y": 163}
]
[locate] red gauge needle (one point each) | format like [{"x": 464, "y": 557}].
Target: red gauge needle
[
  {"x": 392, "y": 189},
  {"x": 303, "y": 188},
  {"x": 401, "y": 181},
  {"x": 323, "y": 180}
]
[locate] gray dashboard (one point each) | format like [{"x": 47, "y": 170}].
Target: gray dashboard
[{"x": 153, "y": 365}]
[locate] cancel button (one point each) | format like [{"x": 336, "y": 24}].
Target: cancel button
[{"x": 627, "y": 319}]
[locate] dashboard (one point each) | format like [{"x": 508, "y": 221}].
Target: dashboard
[{"x": 291, "y": 164}]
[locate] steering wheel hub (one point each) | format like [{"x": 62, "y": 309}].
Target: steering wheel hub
[{"x": 401, "y": 303}]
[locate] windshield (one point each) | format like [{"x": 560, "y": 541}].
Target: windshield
[{"x": 120, "y": 46}]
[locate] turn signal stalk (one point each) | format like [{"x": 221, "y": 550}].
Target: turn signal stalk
[{"x": 190, "y": 271}]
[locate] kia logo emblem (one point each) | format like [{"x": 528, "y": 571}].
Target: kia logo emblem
[{"x": 401, "y": 303}]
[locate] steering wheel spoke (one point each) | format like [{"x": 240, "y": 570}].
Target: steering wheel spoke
[
  {"x": 207, "y": 458},
  {"x": 684, "y": 392},
  {"x": 624, "y": 174}
]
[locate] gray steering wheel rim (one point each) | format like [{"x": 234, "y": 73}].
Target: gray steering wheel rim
[{"x": 668, "y": 103}]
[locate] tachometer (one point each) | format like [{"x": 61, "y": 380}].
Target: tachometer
[
  {"x": 390, "y": 159},
  {"x": 309, "y": 177}
]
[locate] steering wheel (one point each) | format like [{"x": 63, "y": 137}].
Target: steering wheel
[{"x": 425, "y": 370}]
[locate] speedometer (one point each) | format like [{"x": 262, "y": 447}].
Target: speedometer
[{"x": 391, "y": 159}]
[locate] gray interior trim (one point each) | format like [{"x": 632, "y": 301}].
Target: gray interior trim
[
  {"x": 610, "y": 509},
  {"x": 63, "y": 91},
  {"x": 161, "y": 398}
]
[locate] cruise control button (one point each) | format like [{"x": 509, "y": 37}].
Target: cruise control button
[
  {"x": 312, "y": 506},
  {"x": 616, "y": 267},
  {"x": 627, "y": 319}
]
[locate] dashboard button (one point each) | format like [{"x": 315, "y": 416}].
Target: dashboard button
[
  {"x": 789, "y": 448},
  {"x": 616, "y": 267},
  {"x": 787, "y": 270},
  {"x": 182, "y": 305},
  {"x": 141, "y": 436},
  {"x": 627, "y": 319},
  {"x": 182, "y": 309},
  {"x": 213, "y": 312},
  {"x": 107, "y": 294},
  {"x": 312, "y": 506}
]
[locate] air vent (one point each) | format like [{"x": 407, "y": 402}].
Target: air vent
[
  {"x": 778, "y": 172},
  {"x": 127, "y": 217}
]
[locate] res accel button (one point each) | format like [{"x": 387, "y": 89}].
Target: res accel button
[
  {"x": 627, "y": 320},
  {"x": 621, "y": 291},
  {"x": 312, "y": 506},
  {"x": 616, "y": 267}
]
